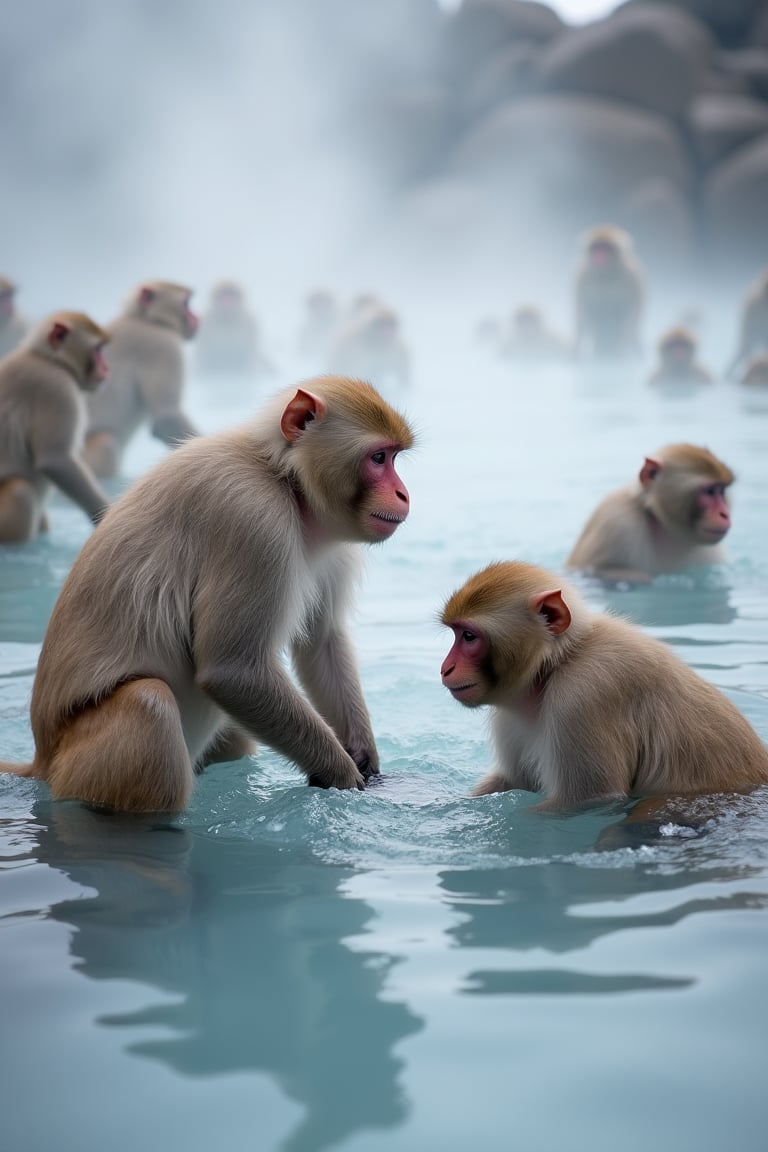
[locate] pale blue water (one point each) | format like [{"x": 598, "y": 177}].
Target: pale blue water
[{"x": 405, "y": 969}]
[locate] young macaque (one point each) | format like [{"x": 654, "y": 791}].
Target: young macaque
[
  {"x": 42, "y": 423},
  {"x": 164, "y": 650},
  {"x": 678, "y": 364},
  {"x": 528, "y": 339},
  {"x": 229, "y": 340},
  {"x": 753, "y": 338},
  {"x": 321, "y": 318},
  {"x": 609, "y": 295},
  {"x": 146, "y": 376},
  {"x": 372, "y": 348},
  {"x": 13, "y": 328},
  {"x": 673, "y": 517},
  {"x": 756, "y": 373},
  {"x": 587, "y": 708}
]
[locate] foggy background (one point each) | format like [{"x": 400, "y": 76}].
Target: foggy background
[{"x": 443, "y": 155}]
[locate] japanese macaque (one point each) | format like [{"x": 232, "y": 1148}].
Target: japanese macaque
[
  {"x": 164, "y": 649},
  {"x": 13, "y": 328},
  {"x": 43, "y": 420},
  {"x": 146, "y": 376},
  {"x": 673, "y": 517},
  {"x": 587, "y": 708},
  {"x": 528, "y": 339},
  {"x": 753, "y": 338},
  {"x": 321, "y": 318},
  {"x": 371, "y": 347},
  {"x": 756, "y": 372},
  {"x": 678, "y": 364},
  {"x": 609, "y": 295},
  {"x": 229, "y": 339}
]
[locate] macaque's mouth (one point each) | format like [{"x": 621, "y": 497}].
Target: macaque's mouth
[
  {"x": 389, "y": 517},
  {"x": 386, "y": 522},
  {"x": 458, "y": 688}
]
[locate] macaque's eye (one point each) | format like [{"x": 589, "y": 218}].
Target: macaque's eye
[
  {"x": 468, "y": 636},
  {"x": 379, "y": 457}
]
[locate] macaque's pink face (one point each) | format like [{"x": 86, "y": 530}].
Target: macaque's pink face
[
  {"x": 190, "y": 320},
  {"x": 99, "y": 367},
  {"x": 227, "y": 300},
  {"x": 713, "y": 514},
  {"x": 6, "y": 304},
  {"x": 386, "y": 502},
  {"x": 680, "y": 351},
  {"x": 602, "y": 254},
  {"x": 464, "y": 670}
]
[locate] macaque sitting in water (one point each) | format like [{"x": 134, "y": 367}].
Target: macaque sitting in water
[
  {"x": 528, "y": 339},
  {"x": 609, "y": 296},
  {"x": 753, "y": 337},
  {"x": 13, "y": 328},
  {"x": 674, "y": 516},
  {"x": 321, "y": 318},
  {"x": 42, "y": 423},
  {"x": 586, "y": 708},
  {"x": 165, "y": 650},
  {"x": 228, "y": 340},
  {"x": 678, "y": 365},
  {"x": 372, "y": 348},
  {"x": 756, "y": 372}
]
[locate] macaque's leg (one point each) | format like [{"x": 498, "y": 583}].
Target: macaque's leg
[
  {"x": 18, "y": 510},
  {"x": 230, "y": 744},
  {"x": 102, "y": 453},
  {"x": 493, "y": 782},
  {"x": 126, "y": 753}
]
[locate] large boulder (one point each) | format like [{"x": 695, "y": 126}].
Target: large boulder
[
  {"x": 646, "y": 55},
  {"x": 722, "y": 124},
  {"x": 749, "y": 66},
  {"x": 729, "y": 20},
  {"x": 734, "y": 207}
]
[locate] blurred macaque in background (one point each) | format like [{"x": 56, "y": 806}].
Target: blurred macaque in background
[
  {"x": 677, "y": 360},
  {"x": 229, "y": 340},
  {"x": 319, "y": 324},
  {"x": 609, "y": 295},
  {"x": 529, "y": 340},
  {"x": 753, "y": 337},
  {"x": 13, "y": 327},
  {"x": 756, "y": 372},
  {"x": 146, "y": 375},
  {"x": 372, "y": 348}
]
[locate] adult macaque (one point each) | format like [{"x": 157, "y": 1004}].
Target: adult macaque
[
  {"x": 673, "y": 517},
  {"x": 163, "y": 653},
  {"x": 753, "y": 338},
  {"x": 678, "y": 364},
  {"x": 146, "y": 376},
  {"x": 13, "y": 328},
  {"x": 756, "y": 373},
  {"x": 42, "y": 423},
  {"x": 529, "y": 340},
  {"x": 372, "y": 347},
  {"x": 609, "y": 294},
  {"x": 321, "y": 318},
  {"x": 229, "y": 340},
  {"x": 586, "y": 707}
]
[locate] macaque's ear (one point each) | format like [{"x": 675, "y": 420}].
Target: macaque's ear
[
  {"x": 146, "y": 296},
  {"x": 300, "y": 411},
  {"x": 554, "y": 609},
  {"x": 57, "y": 335},
  {"x": 649, "y": 471}
]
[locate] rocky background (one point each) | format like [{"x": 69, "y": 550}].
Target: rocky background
[{"x": 291, "y": 141}]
